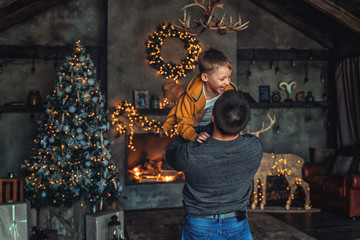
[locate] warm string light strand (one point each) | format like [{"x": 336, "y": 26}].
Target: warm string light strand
[
  {"x": 164, "y": 103},
  {"x": 128, "y": 111}
]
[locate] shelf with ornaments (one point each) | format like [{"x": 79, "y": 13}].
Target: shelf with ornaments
[
  {"x": 152, "y": 111},
  {"x": 292, "y": 104},
  {"x": 11, "y": 108}
]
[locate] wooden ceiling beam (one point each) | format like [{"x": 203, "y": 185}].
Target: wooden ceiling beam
[
  {"x": 337, "y": 13},
  {"x": 25, "y": 12},
  {"x": 350, "y": 5},
  {"x": 6, "y": 3},
  {"x": 283, "y": 14}
]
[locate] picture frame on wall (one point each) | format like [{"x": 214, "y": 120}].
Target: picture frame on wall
[
  {"x": 264, "y": 93},
  {"x": 141, "y": 99}
]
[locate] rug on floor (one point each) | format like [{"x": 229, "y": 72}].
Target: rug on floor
[{"x": 165, "y": 224}]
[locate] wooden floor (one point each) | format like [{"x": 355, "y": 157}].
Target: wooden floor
[
  {"x": 326, "y": 224},
  {"x": 320, "y": 225},
  {"x": 323, "y": 225}
]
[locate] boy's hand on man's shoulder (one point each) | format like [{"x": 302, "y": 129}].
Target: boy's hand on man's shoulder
[{"x": 201, "y": 137}]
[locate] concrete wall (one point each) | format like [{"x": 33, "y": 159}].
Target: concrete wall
[
  {"x": 59, "y": 26},
  {"x": 129, "y": 23},
  {"x": 297, "y": 133}
]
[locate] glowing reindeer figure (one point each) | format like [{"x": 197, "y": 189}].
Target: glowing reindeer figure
[{"x": 289, "y": 165}]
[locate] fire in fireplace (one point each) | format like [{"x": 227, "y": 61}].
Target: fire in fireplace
[{"x": 148, "y": 163}]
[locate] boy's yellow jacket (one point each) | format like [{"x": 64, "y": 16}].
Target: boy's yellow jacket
[{"x": 190, "y": 103}]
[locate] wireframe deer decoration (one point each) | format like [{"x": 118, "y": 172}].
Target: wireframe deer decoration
[{"x": 289, "y": 165}]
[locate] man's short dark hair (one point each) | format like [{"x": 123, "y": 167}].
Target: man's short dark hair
[{"x": 231, "y": 112}]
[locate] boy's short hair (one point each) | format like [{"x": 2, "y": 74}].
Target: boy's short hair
[
  {"x": 231, "y": 112},
  {"x": 211, "y": 59}
]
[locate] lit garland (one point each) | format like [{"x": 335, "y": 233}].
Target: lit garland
[
  {"x": 171, "y": 70},
  {"x": 163, "y": 104},
  {"x": 128, "y": 110}
]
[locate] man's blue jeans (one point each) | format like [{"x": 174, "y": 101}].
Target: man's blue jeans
[{"x": 195, "y": 228}]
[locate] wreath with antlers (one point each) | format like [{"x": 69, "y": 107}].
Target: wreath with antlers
[{"x": 170, "y": 69}]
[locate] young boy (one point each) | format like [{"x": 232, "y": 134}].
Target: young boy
[{"x": 200, "y": 95}]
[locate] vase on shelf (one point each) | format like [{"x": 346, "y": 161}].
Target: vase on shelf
[
  {"x": 155, "y": 102},
  {"x": 34, "y": 98},
  {"x": 300, "y": 96},
  {"x": 309, "y": 97}
]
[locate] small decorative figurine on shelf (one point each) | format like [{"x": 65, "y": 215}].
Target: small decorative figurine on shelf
[
  {"x": 309, "y": 97},
  {"x": 276, "y": 97},
  {"x": 34, "y": 98},
  {"x": 155, "y": 102},
  {"x": 287, "y": 87},
  {"x": 300, "y": 96}
]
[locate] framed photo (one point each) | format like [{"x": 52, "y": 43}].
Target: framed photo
[
  {"x": 141, "y": 99},
  {"x": 264, "y": 93}
]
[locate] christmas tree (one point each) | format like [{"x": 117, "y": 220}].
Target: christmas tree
[{"x": 71, "y": 160}]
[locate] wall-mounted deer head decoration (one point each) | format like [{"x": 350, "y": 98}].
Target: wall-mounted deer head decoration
[
  {"x": 289, "y": 165},
  {"x": 209, "y": 21}
]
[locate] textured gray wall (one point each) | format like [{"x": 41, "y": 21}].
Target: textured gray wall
[
  {"x": 58, "y": 26},
  {"x": 130, "y": 22},
  {"x": 296, "y": 135}
]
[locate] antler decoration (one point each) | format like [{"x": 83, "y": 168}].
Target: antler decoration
[
  {"x": 263, "y": 128},
  {"x": 210, "y": 21}
]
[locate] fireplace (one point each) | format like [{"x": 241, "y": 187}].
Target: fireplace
[
  {"x": 147, "y": 164},
  {"x": 151, "y": 183}
]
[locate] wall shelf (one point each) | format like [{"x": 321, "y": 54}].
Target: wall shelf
[
  {"x": 22, "y": 109},
  {"x": 264, "y": 105},
  {"x": 282, "y": 55},
  {"x": 45, "y": 52},
  {"x": 323, "y": 104},
  {"x": 149, "y": 111}
]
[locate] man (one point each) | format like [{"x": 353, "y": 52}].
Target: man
[{"x": 218, "y": 173}]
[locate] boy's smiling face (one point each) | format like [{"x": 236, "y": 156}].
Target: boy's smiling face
[{"x": 216, "y": 81}]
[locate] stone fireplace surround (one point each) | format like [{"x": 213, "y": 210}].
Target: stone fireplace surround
[{"x": 148, "y": 195}]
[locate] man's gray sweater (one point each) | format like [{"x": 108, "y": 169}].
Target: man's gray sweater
[{"x": 218, "y": 174}]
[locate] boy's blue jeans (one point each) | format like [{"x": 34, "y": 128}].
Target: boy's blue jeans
[{"x": 196, "y": 228}]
